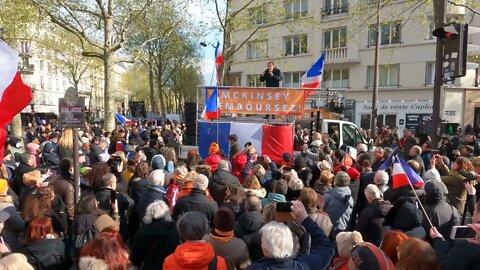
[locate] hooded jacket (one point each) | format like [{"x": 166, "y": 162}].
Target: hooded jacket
[
  {"x": 193, "y": 255},
  {"x": 442, "y": 214},
  {"x": 405, "y": 216},
  {"x": 339, "y": 206},
  {"x": 218, "y": 183},
  {"x": 370, "y": 223},
  {"x": 46, "y": 254},
  {"x": 196, "y": 201},
  {"x": 248, "y": 223},
  {"x": 153, "y": 243}
]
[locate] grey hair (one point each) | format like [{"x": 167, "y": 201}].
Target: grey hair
[
  {"x": 192, "y": 226},
  {"x": 181, "y": 170},
  {"x": 253, "y": 203},
  {"x": 156, "y": 178},
  {"x": 157, "y": 210},
  {"x": 201, "y": 182},
  {"x": 372, "y": 191},
  {"x": 108, "y": 179},
  {"x": 362, "y": 147},
  {"x": 92, "y": 263},
  {"x": 277, "y": 240}
]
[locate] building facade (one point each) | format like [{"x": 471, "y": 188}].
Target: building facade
[{"x": 341, "y": 30}]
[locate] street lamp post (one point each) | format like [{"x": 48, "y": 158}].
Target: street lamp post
[{"x": 373, "y": 126}]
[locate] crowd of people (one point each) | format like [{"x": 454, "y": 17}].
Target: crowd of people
[{"x": 142, "y": 207}]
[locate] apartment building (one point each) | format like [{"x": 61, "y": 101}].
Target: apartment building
[{"x": 340, "y": 29}]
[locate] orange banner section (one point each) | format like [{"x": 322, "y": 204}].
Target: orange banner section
[{"x": 273, "y": 101}]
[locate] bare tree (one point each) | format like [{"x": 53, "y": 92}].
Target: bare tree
[{"x": 102, "y": 28}]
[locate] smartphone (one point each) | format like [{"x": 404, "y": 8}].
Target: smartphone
[
  {"x": 284, "y": 207},
  {"x": 113, "y": 196},
  {"x": 462, "y": 232}
]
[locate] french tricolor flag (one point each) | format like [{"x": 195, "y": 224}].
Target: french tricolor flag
[
  {"x": 403, "y": 174},
  {"x": 270, "y": 140},
  {"x": 14, "y": 94},
  {"x": 123, "y": 120},
  {"x": 212, "y": 107},
  {"x": 313, "y": 77}
]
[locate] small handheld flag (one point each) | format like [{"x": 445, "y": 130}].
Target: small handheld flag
[
  {"x": 403, "y": 174},
  {"x": 123, "y": 120}
]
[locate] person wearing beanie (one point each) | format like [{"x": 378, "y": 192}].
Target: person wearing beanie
[
  {"x": 197, "y": 200},
  {"x": 370, "y": 222},
  {"x": 213, "y": 157},
  {"x": 220, "y": 179},
  {"x": 232, "y": 249},
  {"x": 366, "y": 256},
  {"x": 432, "y": 175},
  {"x": 442, "y": 214},
  {"x": 339, "y": 202},
  {"x": 346, "y": 241},
  {"x": 287, "y": 159},
  {"x": 158, "y": 162}
]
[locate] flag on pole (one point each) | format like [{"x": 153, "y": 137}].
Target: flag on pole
[
  {"x": 212, "y": 106},
  {"x": 14, "y": 94},
  {"x": 123, "y": 120},
  {"x": 219, "y": 59},
  {"x": 313, "y": 77},
  {"x": 403, "y": 174}
]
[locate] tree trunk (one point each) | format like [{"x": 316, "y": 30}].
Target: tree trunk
[
  {"x": 152, "y": 89},
  {"x": 16, "y": 126},
  {"x": 108, "y": 71},
  {"x": 160, "y": 94}
]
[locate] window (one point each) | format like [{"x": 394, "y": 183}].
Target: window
[
  {"x": 337, "y": 78},
  {"x": 258, "y": 15},
  {"x": 430, "y": 73},
  {"x": 351, "y": 136},
  {"x": 257, "y": 49},
  {"x": 390, "y": 33},
  {"x": 254, "y": 81},
  {"x": 296, "y": 8},
  {"x": 292, "y": 79},
  {"x": 296, "y": 44},
  {"x": 335, "y": 38},
  {"x": 389, "y": 75},
  {"x": 41, "y": 65},
  {"x": 25, "y": 47},
  {"x": 335, "y": 7},
  {"x": 42, "y": 83}
]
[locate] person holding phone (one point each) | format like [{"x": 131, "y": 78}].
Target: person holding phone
[{"x": 463, "y": 254}]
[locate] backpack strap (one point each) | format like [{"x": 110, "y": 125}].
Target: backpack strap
[{"x": 213, "y": 263}]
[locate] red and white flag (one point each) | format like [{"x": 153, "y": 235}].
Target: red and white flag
[{"x": 14, "y": 94}]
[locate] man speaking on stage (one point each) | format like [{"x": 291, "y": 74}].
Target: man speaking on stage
[{"x": 271, "y": 76}]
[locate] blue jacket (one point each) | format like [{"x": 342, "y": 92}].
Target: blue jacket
[{"x": 321, "y": 253}]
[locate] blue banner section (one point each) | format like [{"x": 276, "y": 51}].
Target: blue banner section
[{"x": 213, "y": 132}]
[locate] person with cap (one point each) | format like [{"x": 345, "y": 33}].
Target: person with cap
[
  {"x": 158, "y": 162},
  {"x": 213, "y": 157},
  {"x": 370, "y": 222},
  {"x": 14, "y": 226},
  {"x": 219, "y": 181},
  {"x": 442, "y": 214},
  {"x": 197, "y": 200},
  {"x": 278, "y": 245},
  {"x": 232, "y": 249},
  {"x": 194, "y": 253},
  {"x": 346, "y": 241},
  {"x": 25, "y": 166},
  {"x": 339, "y": 202},
  {"x": 366, "y": 256}
]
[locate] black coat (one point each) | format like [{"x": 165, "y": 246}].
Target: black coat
[
  {"x": 46, "y": 254},
  {"x": 248, "y": 223},
  {"x": 272, "y": 80},
  {"x": 153, "y": 243},
  {"x": 137, "y": 188},
  {"x": 124, "y": 203},
  {"x": 218, "y": 183},
  {"x": 17, "y": 183},
  {"x": 460, "y": 255},
  {"x": 150, "y": 195},
  {"x": 95, "y": 151},
  {"x": 196, "y": 201},
  {"x": 370, "y": 223}
]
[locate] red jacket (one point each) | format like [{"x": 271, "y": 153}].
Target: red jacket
[{"x": 193, "y": 255}]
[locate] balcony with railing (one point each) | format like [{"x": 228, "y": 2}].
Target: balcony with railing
[
  {"x": 340, "y": 55},
  {"x": 335, "y": 9}
]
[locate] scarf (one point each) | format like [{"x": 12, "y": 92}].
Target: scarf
[{"x": 222, "y": 237}]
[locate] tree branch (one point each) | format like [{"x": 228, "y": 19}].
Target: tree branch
[
  {"x": 92, "y": 54},
  {"x": 222, "y": 23},
  {"x": 101, "y": 7},
  {"x": 126, "y": 24},
  {"x": 241, "y": 9}
]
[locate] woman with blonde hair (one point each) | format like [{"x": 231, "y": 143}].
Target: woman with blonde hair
[
  {"x": 15, "y": 261},
  {"x": 65, "y": 144},
  {"x": 253, "y": 188}
]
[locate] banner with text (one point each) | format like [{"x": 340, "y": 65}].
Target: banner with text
[{"x": 273, "y": 101}]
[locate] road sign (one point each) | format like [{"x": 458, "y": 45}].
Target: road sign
[{"x": 71, "y": 112}]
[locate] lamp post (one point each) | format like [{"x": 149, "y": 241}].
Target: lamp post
[
  {"x": 205, "y": 44},
  {"x": 373, "y": 126}
]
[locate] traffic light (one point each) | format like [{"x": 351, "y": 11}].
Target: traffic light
[{"x": 455, "y": 40}]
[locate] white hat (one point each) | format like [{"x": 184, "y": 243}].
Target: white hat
[
  {"x": 432, "y": 174},
  {"x": 103, "y": 157}
]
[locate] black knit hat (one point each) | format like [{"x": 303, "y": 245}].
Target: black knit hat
[{"x": 224, "y": 220}]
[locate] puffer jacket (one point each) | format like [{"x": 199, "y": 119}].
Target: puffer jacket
[
  {"x": 339, "y": 206},
  {"x": 193, "y": 255}
]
